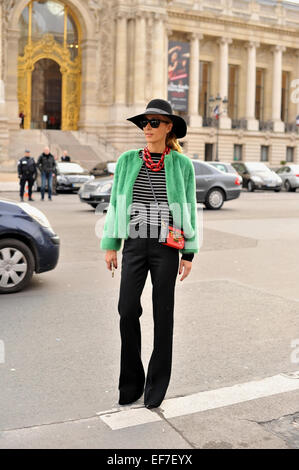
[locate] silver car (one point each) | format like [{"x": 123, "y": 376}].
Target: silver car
[
  {"x": 256, "y": 175},
  {"x": 290, "y": 176},
  {"x": 227, "y": 168},
  {"x": 213, "y": 186},
  {"x": 69, "y": 176}
]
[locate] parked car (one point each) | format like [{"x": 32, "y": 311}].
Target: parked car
[
  {"x": 227, "y": 168},
  {"x": 290, "y": 176},
  {"x": 256, "y": 175},
  {"x": 103, "y": 169},
  {"x": 28, "y": 244},
  {"x": 213, "y": 186},
  {"x": 70, "y": 177},
  {"x": 97, "y": 191}
]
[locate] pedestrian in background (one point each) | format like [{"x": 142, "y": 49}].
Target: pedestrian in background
[
  {"x": 47, "y": 167},
  {"x": 65, "y": 157},
  {"x": 22, "y": 117},
  {"x": 172, "y": 175},
  {"x": 27, "y": 173}
]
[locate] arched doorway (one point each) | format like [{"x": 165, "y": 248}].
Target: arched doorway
[
  {"x": 49, "y": 66},
  {"x": 46, "y": 96}
]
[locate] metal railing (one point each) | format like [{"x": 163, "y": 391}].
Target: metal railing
[{"x": 266, "y": 125}]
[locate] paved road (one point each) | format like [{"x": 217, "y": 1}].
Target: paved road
[{"x": 236, "y": 324}]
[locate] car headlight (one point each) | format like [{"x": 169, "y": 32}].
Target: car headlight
[
  {"x": 103, "y": 188},
  {"x": 62, "y": 179},
  {"x": 37, "y": 215}
]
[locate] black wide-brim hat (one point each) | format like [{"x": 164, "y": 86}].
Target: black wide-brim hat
[{"x": 158, "y": 106}]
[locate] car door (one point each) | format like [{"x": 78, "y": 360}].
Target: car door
[
  {"x": 282, "y": 173},
  {"x": 204, "y": 179},
  {"x": 242, "y": 170}
]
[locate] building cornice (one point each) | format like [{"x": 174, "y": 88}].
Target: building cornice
[{"x": 230, "y": 22}]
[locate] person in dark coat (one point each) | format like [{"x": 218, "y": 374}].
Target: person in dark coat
[
  {"x": 65, "y": 157},
  {"x": 27, "y": 172},
  {"x": 47, "y": 166}
]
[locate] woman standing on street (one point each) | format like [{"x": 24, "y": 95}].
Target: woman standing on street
[{"x": 158, "y": 173}]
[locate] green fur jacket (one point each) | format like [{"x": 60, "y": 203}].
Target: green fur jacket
[{"x": 181, "y": 194}]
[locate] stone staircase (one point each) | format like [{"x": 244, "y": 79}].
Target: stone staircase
[{"x": 86, "y": 149}]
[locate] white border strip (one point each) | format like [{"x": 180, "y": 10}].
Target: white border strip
[
  {"x": 204, "y": 401},
  {"x": 227, "y": 396}
]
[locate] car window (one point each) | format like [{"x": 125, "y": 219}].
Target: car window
[
  {"x": 288, "y": 169},
  {"x": 280, "y": 170},
  {"x": 231, "y": 169},
  {"x": 221, "y": 167},
  {"x": 241, "y": 168},
  {"x": 202, "y": 169}
]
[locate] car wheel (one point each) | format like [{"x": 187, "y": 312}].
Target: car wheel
[
  {"x": 288, "y": 186},
  {"x": 16, "y": 265},
  {"x": 277, "y": 190},
  {"x": 215, "y": 199},
  {"x": 250, "y": 186}
]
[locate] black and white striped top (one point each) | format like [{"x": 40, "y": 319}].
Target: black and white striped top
[{"x": 144, "y": 209}]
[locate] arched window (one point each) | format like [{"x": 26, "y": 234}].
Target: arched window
[{"x": 42, "y": 17}]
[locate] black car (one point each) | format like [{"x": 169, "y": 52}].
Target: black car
[
  {"x": 28, "y": 244},
  {"x": 256, "y": 175}
]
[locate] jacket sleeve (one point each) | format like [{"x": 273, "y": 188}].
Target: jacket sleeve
[
  {"x": 108, "y": 240},
  {"x": 39, "y": 163},
  {"x": 192, "y": 243},
  {"x": 19, "y": 168},
  {"x": 35, "y": 169}
]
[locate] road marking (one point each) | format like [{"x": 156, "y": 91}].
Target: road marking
[
  {"x": 128, "y": 418},
  {"x": 204, "y": 401}
]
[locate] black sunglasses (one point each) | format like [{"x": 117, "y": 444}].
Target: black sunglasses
[{"x": 154, "y": 123}]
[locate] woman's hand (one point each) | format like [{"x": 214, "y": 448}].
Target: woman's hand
[
  {"x": 185, "y": 266},
  {"x": 111, "y": 257}
]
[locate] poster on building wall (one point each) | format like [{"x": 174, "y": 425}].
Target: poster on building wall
[{"x": 178, "y": 74}]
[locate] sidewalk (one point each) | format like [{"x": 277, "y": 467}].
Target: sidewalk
[{"x": 9, "y": 182}]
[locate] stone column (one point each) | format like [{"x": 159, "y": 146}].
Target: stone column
[
  {"x": 168, "y": 35},
  {"x": 11, "y": 88},
  {"x": 252, "y": 123},
  {"x": 158, "y": 57},
  {"x": 225, "y": 121},
  {"x": 278, "y": 125},
  {"x": 121, "y": 59},
  {"x": 1, "y": 32},
  {"x": 88, "y": 110},
  {"x": 139, "y": 61},
  {"x": 297, "y": 83},
  {"x": 195, "y": 119}
]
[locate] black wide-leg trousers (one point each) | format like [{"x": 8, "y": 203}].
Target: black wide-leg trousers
[{"x": 140, "y": 255}]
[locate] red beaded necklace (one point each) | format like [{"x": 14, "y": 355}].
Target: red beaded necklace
[{"x": 149, "y": 161}]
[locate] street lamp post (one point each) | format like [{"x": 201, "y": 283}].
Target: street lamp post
[{"x": 216, "y": 113}]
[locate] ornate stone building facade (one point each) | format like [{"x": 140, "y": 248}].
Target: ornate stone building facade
[{"x": 86, "y": 65}]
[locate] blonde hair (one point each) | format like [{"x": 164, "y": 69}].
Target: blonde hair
[{"x": 172, "y": 142}]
